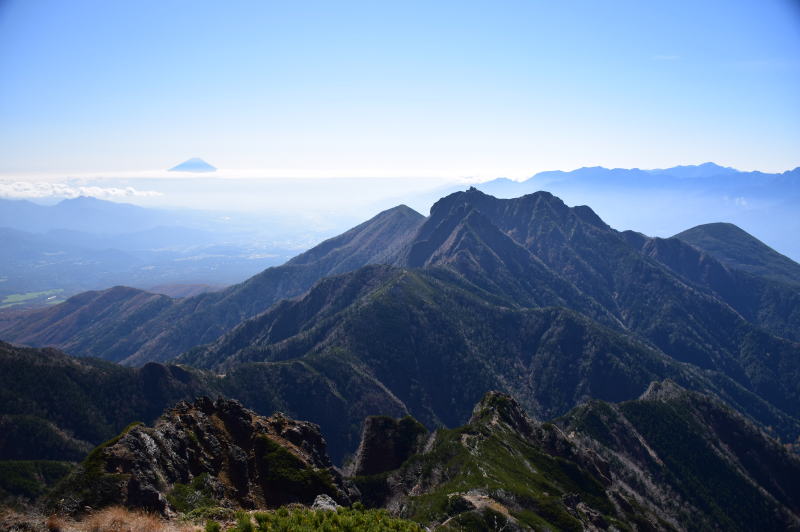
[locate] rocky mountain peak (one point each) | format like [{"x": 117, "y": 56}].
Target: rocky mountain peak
[
  {"x": 219, "y": 448},
  {"x": 666, "y": 390},
  {"x": 497, "y": 408}
]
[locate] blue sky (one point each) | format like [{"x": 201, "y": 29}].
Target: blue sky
[{"x": 453, "y": 89}]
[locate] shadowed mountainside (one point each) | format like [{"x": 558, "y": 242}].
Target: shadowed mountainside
[{"x": 56, "y": 407}]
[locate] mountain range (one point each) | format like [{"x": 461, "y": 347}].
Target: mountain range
[
  {"x": 424, "y": 315},
  {"x": 407, "y": 315}
]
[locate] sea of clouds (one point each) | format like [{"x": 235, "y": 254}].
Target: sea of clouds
[{"x": 41, "y": 189}]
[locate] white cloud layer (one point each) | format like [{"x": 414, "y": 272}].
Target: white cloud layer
[{"x": 31, "y": 189}]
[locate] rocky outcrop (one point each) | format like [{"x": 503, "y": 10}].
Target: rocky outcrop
[
  {"x": 386, "y": 443},
  {"x": 499, "y": 408},
  {"x": 223, "y": 453},
  {"x": 670, "y": 460}
]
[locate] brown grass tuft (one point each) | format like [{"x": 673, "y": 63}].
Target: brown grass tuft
[
  {"x": 117, "y": 519},
  {"x": 56, "y": 523}
]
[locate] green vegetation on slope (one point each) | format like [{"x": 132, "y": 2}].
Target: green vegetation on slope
[
  {"x": 90, "y": 483},
  {"x": 355, "y": 519},
  {"x": 30, "y": 478},
  {"x": 18, "y": 299},
  {"x": 56, "y": 407},
  {"x": 695, "y": 459},
  {"x": 294, "y": 480},
  {"x": 495, "y": 471}
]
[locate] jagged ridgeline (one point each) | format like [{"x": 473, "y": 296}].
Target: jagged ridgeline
[
  {"x": 218, "y": 449},
  {"x": 671, "y": 460}
]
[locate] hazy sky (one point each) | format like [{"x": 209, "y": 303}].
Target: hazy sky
[{"x": 495, "y": 88}]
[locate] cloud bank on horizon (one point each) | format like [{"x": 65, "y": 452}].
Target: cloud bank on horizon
[{"x": 43, "y": 189}]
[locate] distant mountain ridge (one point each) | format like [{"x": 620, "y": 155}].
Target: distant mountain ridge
[
  {"x": 81, "y": 214},
  {"x": 696, "y": 171},
  {"x": 89, "y": 244}
]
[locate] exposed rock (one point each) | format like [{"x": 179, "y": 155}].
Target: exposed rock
[
  {"x": 496, "y": 408},
  {"x": 228, "y": 454},
  {"x": 663, "y": 391},
  {"x": 386, "y": 443},
  {"x": 324, "y": 502}
]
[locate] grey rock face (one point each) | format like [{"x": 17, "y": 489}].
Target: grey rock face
[
  {"x": 324, "y": 502},
  {"x": 242, "y": 460}
]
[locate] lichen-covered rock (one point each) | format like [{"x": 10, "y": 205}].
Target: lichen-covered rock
[
  {"x": 221, "y": 452},
  {"x": 324, "y": 502},
  {"x": 498, "y": 408}
]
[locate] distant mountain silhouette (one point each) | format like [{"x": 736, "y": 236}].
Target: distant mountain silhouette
[
  {"x": 194, "y": 164},
  {"x": 80, "y": 214},
  {"x": 696, "y": 170}
]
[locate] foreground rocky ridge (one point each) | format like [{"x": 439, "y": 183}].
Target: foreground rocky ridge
[
  {"x": 670, "y": 460},
  {"x": 221, "y": 450}
]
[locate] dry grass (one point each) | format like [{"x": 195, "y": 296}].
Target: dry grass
[
  {"x": 56, "y": 523},
  {"x": 114, "y": 519},
  {"x": 117, "y": 519},
  {"x": 28, "y": 520}
]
